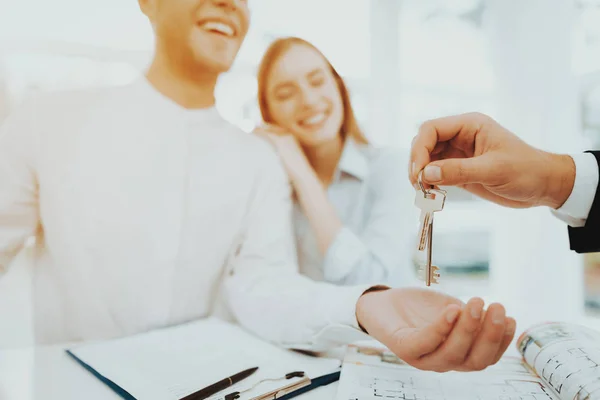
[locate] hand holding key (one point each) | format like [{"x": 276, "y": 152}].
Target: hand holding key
[
  {"x": 474, "y": 152},
  {"x": 429, "y": 201}
]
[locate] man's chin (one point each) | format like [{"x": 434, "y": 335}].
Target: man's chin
[{"x": 216, "y": 65}]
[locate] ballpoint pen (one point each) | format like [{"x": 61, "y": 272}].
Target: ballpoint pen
[{"x": 221, "y": 385}]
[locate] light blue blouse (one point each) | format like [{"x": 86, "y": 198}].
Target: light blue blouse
[{"x": 375, "y": 203}]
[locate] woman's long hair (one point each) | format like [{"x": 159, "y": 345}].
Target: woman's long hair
[{"x": 277, "y": 49}]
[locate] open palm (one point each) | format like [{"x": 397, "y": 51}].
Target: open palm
[{"x": 434, "y": 331}]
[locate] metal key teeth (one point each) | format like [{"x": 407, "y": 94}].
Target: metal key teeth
[{"x": 435, "y": 274}]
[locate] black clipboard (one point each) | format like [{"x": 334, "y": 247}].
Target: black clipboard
[
  {"x": 115, "y": 388},
  {"x": 293, "y": 389},
  {"x": 283, "y": 393},
  {"x": 315, "y": 383}
]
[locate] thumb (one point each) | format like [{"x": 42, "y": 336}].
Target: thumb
[
  {"x": 457, "y": 171},
  {"x": 426, "y": 340}
]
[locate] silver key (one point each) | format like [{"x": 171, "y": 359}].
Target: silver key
[
  {"x": 431, "y": 272},
  {"x": 428, "y": 202}
]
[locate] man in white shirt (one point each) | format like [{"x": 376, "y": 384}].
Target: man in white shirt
[
  {"x": 149, "y": 209},
  {"x": 475, "y": 152}
]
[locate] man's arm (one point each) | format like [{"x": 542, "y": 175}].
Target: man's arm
[
  {"x": 264, "y": 287},
  {"x": 582, "y": 209},
  {"x": 18, "y": 185}
]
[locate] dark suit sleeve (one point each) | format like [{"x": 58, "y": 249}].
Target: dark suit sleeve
[{"x": 587, "y": 238}]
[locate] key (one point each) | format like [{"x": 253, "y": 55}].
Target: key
[
  {"x": 428, "y": 202},
  {"x": 432, "y": 273},
  {"x": 428, "y": 272}
]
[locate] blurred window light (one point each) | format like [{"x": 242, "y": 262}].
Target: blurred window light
[
  {"x": 32, "y": 72},
  {"x": 444, "y": 68}
]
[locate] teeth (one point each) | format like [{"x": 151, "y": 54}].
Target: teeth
[
  {"x": 315, "y": 119},
  {"x": 218, "y": 27}
]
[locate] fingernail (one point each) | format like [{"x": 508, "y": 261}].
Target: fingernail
[
  {"x": 452, "y": 315},
  {"x": 498, "y": 318},
  {"x": 475, "y": 313},
  {"x": 510, "y": 329},
  {"x": 433, "y": 173}
]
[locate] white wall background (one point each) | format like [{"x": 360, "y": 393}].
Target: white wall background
[{"x": 521, "y": 61}]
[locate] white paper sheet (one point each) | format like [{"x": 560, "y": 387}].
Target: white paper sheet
[
  {"x": 175, "y": 362},
  {"x": 373, "y": 375}
]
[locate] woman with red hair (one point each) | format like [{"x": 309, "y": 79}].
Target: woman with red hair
[{"x": 352, "y": 206}]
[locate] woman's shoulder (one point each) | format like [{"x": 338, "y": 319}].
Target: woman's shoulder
[
  {"x": 385, "y": 160},
  {"x": 388, "y": 173}
]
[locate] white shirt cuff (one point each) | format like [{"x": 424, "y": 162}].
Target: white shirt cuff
[
  {"x": 344, "y": 328},
  {"x": 347, "y": 301},
  {"x": 576, "y": 209}
]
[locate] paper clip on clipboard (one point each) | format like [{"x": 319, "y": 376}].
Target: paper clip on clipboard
[{"x": 289, "y": 390}]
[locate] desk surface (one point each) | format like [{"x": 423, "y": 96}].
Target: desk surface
[{"x": 47, "y": 373}]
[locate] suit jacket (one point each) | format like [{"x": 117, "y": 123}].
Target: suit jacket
[{"x": 587, "y": 238}]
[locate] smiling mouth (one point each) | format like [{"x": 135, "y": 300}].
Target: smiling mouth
[
  {"x": 220, "y": 28},
  {"x": 314, "y": 120}
]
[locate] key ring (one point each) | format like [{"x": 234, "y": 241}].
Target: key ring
[
  {"x": 420, "y": 182},
  {"x": 428, "y": 192}
]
